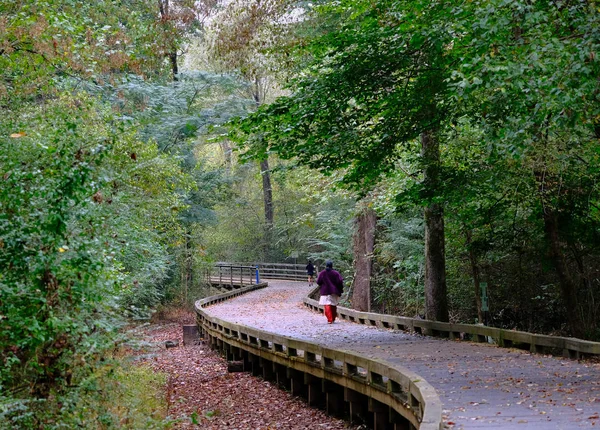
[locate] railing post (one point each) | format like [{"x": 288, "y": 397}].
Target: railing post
[{"x": 257, "y": 275}]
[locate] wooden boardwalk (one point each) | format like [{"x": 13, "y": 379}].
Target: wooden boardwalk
[{"x": 481, "y": 386}]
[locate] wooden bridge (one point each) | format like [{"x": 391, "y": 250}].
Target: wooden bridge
[{"x": 367, "y": 369}]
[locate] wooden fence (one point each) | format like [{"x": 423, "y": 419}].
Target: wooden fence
[
  {"x": 230, "y": 275},
  {"x": 245, "y": 273}
]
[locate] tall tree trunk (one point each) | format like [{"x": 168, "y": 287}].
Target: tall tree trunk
[
  {"x": 436, "y": 300},
  {"x": 189, "y": 263},
  {"x": 267, "y": 192},
  {"x": 174, "y": 69},
  {"x": 364, "y": 243},
  {"x": 266, "y": 180},
  {"x": 268, "y": 203},
  {"x": 568, "y": 286},
  {"x": 226, "y": 148},
  {"x": 185, "y": 265},
  {"x": 164, "y": 8},
  {"x": 475, "y": 274}
]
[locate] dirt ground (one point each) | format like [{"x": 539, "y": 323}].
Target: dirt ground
[{"x": 202, "y": 394}]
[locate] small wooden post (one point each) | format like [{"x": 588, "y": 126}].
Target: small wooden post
[{"x": 190, "y": 334}]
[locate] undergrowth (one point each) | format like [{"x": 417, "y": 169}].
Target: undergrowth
[{"x": 116, "y": 396}]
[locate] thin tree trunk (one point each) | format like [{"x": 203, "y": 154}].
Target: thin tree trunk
[
  {"x": 475, "y": 274},
  {"x": 364, "y": 243},
  {"x": 266, "y": 181},
  {"x": 436, "y": 300},
  {"x": 568, "y": 286},
  {"x": 267, "y": 192},
  {"x": 226, "y": 148},
  {"x": 188, "y": 263},
  {"x": 268, "y": 204},
  {"x": 164, "y": 8},
  {"x": 174, "y": 68}
]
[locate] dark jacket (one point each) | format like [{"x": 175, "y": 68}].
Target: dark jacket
[
  {"x": 310, "y": 269},
  {"x": 331, "y": 282}
]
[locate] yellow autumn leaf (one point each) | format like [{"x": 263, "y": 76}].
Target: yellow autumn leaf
[{"x": 19, "y": 134}]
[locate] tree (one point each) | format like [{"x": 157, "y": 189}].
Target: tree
[
  {"x": 364, "y": 244},
  {"x": 77, "y": 185},
  {"x": 355, "y": 107},
  {"x": 535, "y": 87},
  {"x": 179, "y": 18},
  {"x": 242, "y": 33}
]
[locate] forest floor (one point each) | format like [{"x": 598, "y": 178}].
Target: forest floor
[{"x": 201, "y": 393}]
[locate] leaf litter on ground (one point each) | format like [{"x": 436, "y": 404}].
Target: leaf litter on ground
[{"x": 202, "y": 394}]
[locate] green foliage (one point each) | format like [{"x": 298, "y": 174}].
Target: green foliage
[
  {"x": 399, "y": 266},
  {"x": 113, "y": 397},
  {"x": 173, "y": 112},
  {"x": 133, "y": 397},
  {"x": 312, "y": 218},
  {"x": 83, "y": 232},
  {"x": 41, "y": 41},
  {"x": 52, "y": 257},
  {"x": 533, "y": 66},
  {"x": 174, "y": 115},
  {"x": 354, "y": 104}
]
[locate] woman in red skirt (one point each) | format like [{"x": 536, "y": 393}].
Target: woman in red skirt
[{"x": 332, "y": 286}]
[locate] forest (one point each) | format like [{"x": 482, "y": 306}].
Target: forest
[{"x": 427, "y": 147}]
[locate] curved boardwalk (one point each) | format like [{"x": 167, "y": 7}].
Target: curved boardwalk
[{"x": 481, "y": 386}]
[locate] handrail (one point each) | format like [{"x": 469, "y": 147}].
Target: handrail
[
  {"x": 289, "y": 271},
  {"x": 231, "y": 273},
  {"x": 539, "y": 343},
  {"x": 401, "y": 389}
]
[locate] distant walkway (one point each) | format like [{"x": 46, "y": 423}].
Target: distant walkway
[{"x": 481, "y": 386}]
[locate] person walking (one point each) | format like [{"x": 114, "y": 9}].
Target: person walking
[
  {"x": 310, "y": 271},
  {"x": 331, "y": 287}
]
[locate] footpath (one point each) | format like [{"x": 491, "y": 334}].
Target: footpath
[{"x": 481, "y": 386}]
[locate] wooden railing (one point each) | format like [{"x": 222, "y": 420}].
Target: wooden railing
[
  {"x": 565, "y": 346},
  {"x": 232, "y": 274},
  {"x": 292, "y": 272},
  {"x": 394, "y": 396}
]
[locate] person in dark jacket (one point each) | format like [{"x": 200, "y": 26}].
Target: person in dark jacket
[
  {"x": 310, "y": 271},
  {"x": 331, "y": 287}
]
